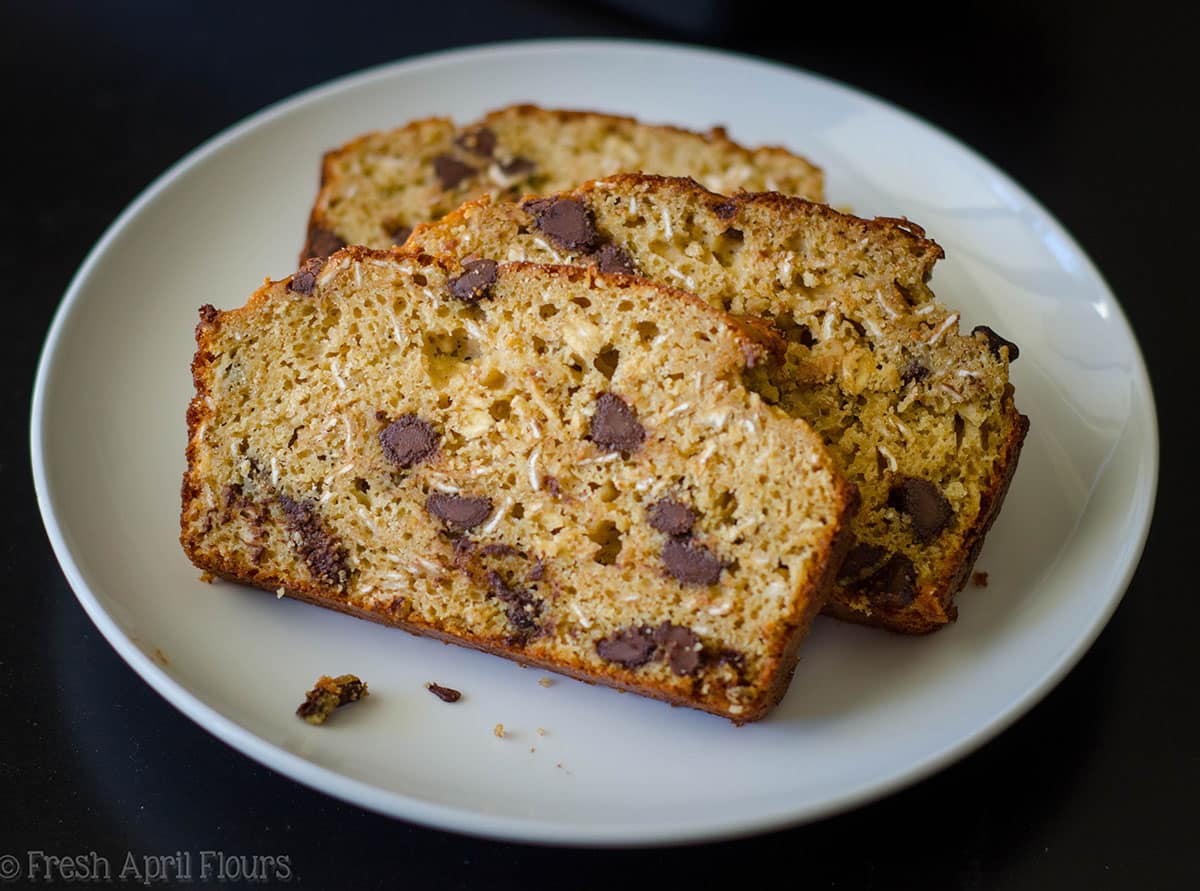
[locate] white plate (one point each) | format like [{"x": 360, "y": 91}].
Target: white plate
[{"x": 867, "y": 713}]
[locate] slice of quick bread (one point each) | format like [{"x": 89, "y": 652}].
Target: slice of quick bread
[
  {"x": 919, "y": 416},
  {"x": 554, "y": 465},
  {"x": 376, "y": 188}
]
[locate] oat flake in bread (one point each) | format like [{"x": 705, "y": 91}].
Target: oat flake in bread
[
  {"x": 919, "y": 414},
  {"x": 554, "y": 465},
  {"x": 375, "y": 189}
]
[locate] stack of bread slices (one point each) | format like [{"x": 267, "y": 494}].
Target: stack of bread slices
[{"x": 639, "y": 428}]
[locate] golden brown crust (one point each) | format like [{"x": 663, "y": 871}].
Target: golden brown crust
[{"x": 321, "y": 228}]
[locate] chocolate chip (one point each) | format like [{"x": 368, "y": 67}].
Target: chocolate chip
[
  {"x": 611, "y": 258},
  {"x": 726, "y": 210},
  {"x": 208, "y": 313},
  {"x": 566, "y": 222},
  {"x": 326, "y": 559},
  {"x": 400, "y": 234},
  {"x": 521, "y": 607},
  {"x": 537, "y": 572},
  {"x": 732, "y": 658},
  {"x": 671, "y": 517},
  {"x": 480, "y": 142},
  {"x": 322, "y": 242},
  {"x": 305, "y": 280},
  {"x": 629, "y": 647},
  {"x": 859, "y": 559},
  {"x": 476, "y": 281},
  {"x": 328, "y": 695},
  {"x": 924, "y": 504},
  {"x": 913, "y": 372},
  {"x": 893, "y": 585},
  {"x": 995, "y": 342},
  {"x": 518, "y": 167},
  {"x": 408, "y": 440},
  {"x": 445, "y": 694},
  {"x": 460, "y": 511},
  {"x": 691, "y": 563},
  {"x": 614, "y": 426},
  {"x": 680, "y": 646},
  {"x": 450, "y": 171}
]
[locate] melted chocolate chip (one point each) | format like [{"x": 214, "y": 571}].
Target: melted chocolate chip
[
  {"x": 566, "y": 222},
  {"x": 893, "y": 585},
  {"x": 913, "y": 372},
  {"x": 680, "y": 646},
  {"x": 611, "y": 258},
  {"x": 400, "y": 234},
  {"x": 476, "y": 281},
  {"x": 322, "y": 242},
  {"x": 861, "y": 557},
  {"x": 445, "y": 694},
  {"x": 325, "y": 558},
  {"x": 671, "y": 517},
  {"x": 614, "y": 426},
  {"x": 629, "y": 647},
  {"x": 450, "y": 171},
  {"x": 518, "y": 167},
  {"x": 305, "y": 280},
  {"x": 408, "y": 440},
  {"x": 459, "y": 511},
  {"x": 520, "y": 607},
  {"x": 995, "y": 342},
  {"x": 499, "y": 549},
  {"x": 691, "y": 563},
  {"x": 480, "y": 142},
  {"x": 734, "y": 659},
  {"x": 924, "y": 504},
  {"x": 726, "y": 210}
]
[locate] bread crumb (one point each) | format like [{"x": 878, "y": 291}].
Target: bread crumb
[
  {"x": 979, "y": 579},
  {"x": 279, "y": 592},
  {"x": 498, "y": 731},
  {"x": 544, "y": 682},
  {"x": 161, "y": 658},
  {"x": 207, "y": 577},
  {"x": 329, "y": 694},
  {"x": 541, "y": 731}
]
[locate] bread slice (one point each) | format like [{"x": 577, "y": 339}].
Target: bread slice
[
  {"x": 920, "y": 416},
  {"x": 550, "y": 464},
  {"x": 379, "y": 186}
]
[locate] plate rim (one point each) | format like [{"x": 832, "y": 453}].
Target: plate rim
[{"x": 523, "y": 829}]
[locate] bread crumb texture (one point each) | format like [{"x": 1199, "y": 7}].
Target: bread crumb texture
[
  {"x": 378, "y": 187},
  {"x": 563, "y": 467},
  {"x": 918, "y": 413}
]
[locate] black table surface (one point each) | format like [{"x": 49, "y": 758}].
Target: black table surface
[{"x": 1091, "y": 106}]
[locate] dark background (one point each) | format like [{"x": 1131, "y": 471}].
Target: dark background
[{"x": 1089, "y": 105}]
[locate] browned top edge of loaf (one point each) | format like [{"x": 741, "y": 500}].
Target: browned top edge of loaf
[
  {"x": 317, "y": 223},
  {"x": 780, "y": 661},
  {"x": 903, "y": 231}
]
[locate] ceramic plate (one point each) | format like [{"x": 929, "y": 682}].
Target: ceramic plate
[{"x": 868, "y": 712}]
